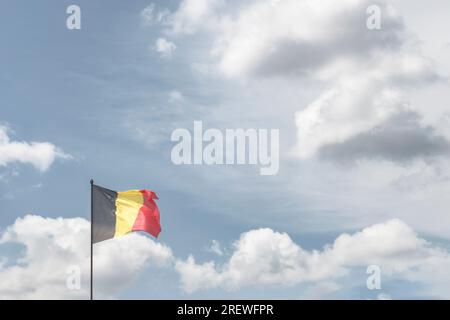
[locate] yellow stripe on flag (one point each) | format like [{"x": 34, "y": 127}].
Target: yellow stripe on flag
[{"x": 128, "y": 204}]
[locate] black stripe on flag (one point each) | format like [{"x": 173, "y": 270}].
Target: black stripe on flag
[{"x": 104, "y": 213}]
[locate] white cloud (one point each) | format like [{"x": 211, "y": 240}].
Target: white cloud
[
  {"x": 261, "y": 257},
  {"x": 190, "y": 16},
  {"x": 198, "y": 276},
  {"x": 378, "y": 83},
  {"x": 193, "y": 15},
  {"x": 266, "y": 257},
  {"x": 363, "y": 97},
  {"x": 150, "y": 16},
  {"x": 358, "y": 86},
  {"x": 215, "y": 248},
  {"x": 296, "y": 37},
  {"x": 164, "y": 47},
  {"x": 41, "y": 155},
  {"x": 365, "y": 73},
  {"x": 351, "y": 107},
  {"x": 51, "y": 246}
]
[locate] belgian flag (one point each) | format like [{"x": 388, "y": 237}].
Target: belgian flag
[{"x": 115, "y": 214}]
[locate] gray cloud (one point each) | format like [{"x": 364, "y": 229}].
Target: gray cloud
[
  {"x": 400, "y": 139},
  {"x": 293, "y": 38},
  {"x": 299, "y": 57}
]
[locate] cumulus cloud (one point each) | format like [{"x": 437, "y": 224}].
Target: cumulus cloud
[
  {"x": 351, "y": 107},
  {"x": 366, "y": 72},
  {"x": 402, "y": 138},
  {"x": 362, "y": 102},
  {"x": 367, "y": 77},
  {"x": 164, "y": 47},
  {"x": 52, "y": 247},
  {"x": 296, "y": 37},
  {"x": 266, "y": 257},
  {"x": 40, "y": 155},
  {"x": 193, "y": 15},
  {"x": 265, "y": 38},
  {"x": 378, "y": 102}
]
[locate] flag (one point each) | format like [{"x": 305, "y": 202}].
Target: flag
[{"x": 115, "y": 214}]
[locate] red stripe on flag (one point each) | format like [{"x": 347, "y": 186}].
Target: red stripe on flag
[{"x": 148, "y": 217}]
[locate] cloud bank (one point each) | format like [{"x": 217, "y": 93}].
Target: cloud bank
[
  {"x": 50, "y": 248},
  {"x": 46, "y": 250},
  {"x": 264, "y": 257}
]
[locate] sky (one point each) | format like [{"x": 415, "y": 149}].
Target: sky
[{"x": 363, "y": 119}]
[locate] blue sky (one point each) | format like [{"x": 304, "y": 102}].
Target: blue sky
[{"x": 105, "y": 96}]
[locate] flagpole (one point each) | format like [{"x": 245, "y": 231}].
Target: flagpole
[{"x": 92, "y": 237}]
